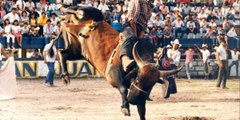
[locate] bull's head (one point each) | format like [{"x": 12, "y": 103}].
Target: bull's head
[{"x": 148, "y": 75}]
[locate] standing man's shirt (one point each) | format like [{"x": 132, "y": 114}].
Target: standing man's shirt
[
  {"x": 223, "y": 53},
  {"x": 205, "y": 55},
  {"x": 175, "y": 55},
  {"x": 46, "y": 50}
]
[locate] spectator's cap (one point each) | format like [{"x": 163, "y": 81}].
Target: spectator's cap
[
  {"x": 175, "y": 42},
  {"x": 168, "y": 16},
  {"x": 204, "y": 46},
  {"x": 54, "y": 14},
  {"x": 168, "y": 46}
]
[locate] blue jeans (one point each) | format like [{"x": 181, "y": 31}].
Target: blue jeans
[
  {"x": 50, "y": 75},
  {"x": 230, "y": 66}
]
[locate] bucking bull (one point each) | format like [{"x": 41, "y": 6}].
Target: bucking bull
[{"x": 86, "y": 35}]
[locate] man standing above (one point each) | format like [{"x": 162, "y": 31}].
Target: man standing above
[
  {"x": 205, "y": 55},
  {"x": 139, "y": 12},
  {"x": 222, "y": 63},
  {"x": 235, "y": 61}
]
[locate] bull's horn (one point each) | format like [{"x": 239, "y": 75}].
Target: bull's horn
[
  {"x": 169, "y": 72},
  {"x": 136, "y": 57}
]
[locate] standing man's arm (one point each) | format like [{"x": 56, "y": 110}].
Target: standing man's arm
[{"x": 218, "y": 59}]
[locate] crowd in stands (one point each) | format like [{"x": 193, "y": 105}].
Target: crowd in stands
[{"x": 170, "y": 18}]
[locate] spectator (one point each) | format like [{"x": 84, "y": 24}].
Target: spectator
[
  {"x": 49, "y": 8},
  {"x": 211, "y": 16},
  {"x": 2, "y": 14},
  {"x": 93, "y": 3},
  {"x": 33, "y": 32},
  {"x": 8, "y": 33},
  {"x": 232, "y": 34},
  {"x": 6, "y": 6},
  {"x": 24, "y": 18},
  {"x": 158, "y": 22},
  {"x": 42, "y": 20},
  {"x": 56, "y": 29},
  {"x": 186, "y": 9},
  {"x": 222, "y": 63},
  {"x": 123, "y": 17},
  {"x": 16, "y": 30},
  {"x": 107, "y": 16},
  {"x": 195, "y": 10},
  {"x": 103, "y": 6},
  {"x": 236, "y": 5},
  {"x": 177, "y": 27},
  {"x": 235, "y": 61},
  {"x": 178, "y": 8},
  {"x": 168, "y": 22},
  {"x": 167, "y": 35},
  {"x": 54, "y": 19},
  {"x": 203, "y": 26},
  {"x": 41, "y": 6},
  {"x": 36, "y": 54},
  {"x": 212, "y": 23},
  {"x": 191, "y": 28},
  {"x": 12, "y": 16},
  {"x": 205, "y": 56},
  {"x": 67, "y": 3},
  {"x": 4, "y": 53},
  {"x": 159, "y": 34},
  {"x": 50, "y": 56},
  {"x": 30, "y": 5},
  {"x": 220, "y": 15},
  {"x": 164, "y": 9},
  {"x": 48, "y": 31},
  {"x": 115, "y": 17},
  {"x": 20, "y": 4},
  {"x": 33, "y": 20},
  {"x": 25, "y": 31},
  {"x": 188, "y": 61}
]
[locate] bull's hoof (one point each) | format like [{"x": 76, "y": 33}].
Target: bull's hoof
[
  {"x": 66, "y": 80},
  {"x": 125, "y": 111}
]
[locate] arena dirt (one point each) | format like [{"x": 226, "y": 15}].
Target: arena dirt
[{"x": 95, "y": 99}]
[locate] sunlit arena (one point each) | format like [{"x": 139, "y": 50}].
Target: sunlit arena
[{"x": 119, "y": 59}]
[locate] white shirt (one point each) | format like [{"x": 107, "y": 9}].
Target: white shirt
[
  {"x": 205, "y": 55},
  {"x": 235, "y": 55},
  {"x": 30, "y": 5},
  {"x": 103, "y": 8},
  {"x": 11, "y": 17},
  {"x": 222, "y": 53},
  {"x": 46, "y": 49},
  {"x": 21, "y": 4},
  {"x": 175, "y": 55},
  {"x": 56, "y": 29},
  {"x": 7, "y": 29},
  {"x": 191, "y": 25},
  {"x": 47, "y": 30},
  {"x": 16, "y": 29},
  {"x": 67, "y": 2},
  {"x": 178, "y": 24},
  {"x": 24, "y": 30},
  {"x": 232, "y": 33},
  {"x": 54, "y": 22}
]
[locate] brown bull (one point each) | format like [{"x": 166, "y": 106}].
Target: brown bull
[{"x": 100, "y": 46}]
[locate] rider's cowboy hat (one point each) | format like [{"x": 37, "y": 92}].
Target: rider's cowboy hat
[{"x": 176, "y": 41}]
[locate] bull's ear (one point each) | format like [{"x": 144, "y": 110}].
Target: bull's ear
[{"x": 80, "y": 14}]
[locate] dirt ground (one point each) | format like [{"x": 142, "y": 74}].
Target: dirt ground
[{"x": 95, "y": 99}]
